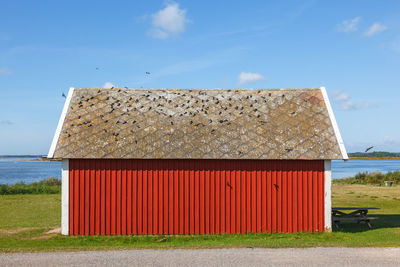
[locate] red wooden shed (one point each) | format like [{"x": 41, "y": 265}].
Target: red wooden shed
[{"x": 196, "y": 161}]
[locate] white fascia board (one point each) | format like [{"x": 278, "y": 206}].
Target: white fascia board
[
  {"x": 334, "y": 123},
  {"x": 65, "y": 197},
  {"x": 60, "y": 123},
  {"x": 328, "y": 196}
]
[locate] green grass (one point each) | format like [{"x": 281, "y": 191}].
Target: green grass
[{"x": 25, "y": 219}]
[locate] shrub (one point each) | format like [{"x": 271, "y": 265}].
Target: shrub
[
  {"x": 49, "y": 186},
  {"x": 370, "y": 178}
]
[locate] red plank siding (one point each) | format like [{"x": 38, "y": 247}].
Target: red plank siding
[{"x": 121, "y": 197}]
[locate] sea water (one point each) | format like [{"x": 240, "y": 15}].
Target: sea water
[{"x": 27, "y": 170}]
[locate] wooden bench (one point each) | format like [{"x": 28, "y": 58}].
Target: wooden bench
[{"x": 357, "y": 214}]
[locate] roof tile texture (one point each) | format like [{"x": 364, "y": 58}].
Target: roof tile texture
[{"x": 198, "y": 123}]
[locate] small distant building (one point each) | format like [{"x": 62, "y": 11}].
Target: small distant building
[{"x": 196, "y": 161}]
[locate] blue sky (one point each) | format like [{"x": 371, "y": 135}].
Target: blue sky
[{"x": 350, "y": 47}]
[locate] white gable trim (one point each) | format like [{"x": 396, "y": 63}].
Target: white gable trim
[
  {"x": 334, "y": 123},
  {"x": 328, "y": 196},
  {"x": 60, "y": 123},
  {"x": 65, "y": 197}
]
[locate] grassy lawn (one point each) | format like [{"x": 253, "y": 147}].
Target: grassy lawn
[{"x": 26, "y": 219}]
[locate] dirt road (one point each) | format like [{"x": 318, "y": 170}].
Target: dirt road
[{"x": 211, "y": 257}]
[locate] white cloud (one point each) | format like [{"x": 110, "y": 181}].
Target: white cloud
[
  {"x": 338, "y": 96},
  {"x": 349, "y": 105},
  {"x": 5, "y": 71},
  {"x": 108, "y": 85},
  {"x": 375, "y": 29},
  {"x": 168, "y": 21},
  {"x": 349, "y": 25},
  {"x": 249, "y": 77}
]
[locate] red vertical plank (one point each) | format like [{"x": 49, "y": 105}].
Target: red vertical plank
[
  {"x": 166, "y": 188},
  {"x": 279, "y": 195},
  {"x": 186, "y": 182},
  {"x": 243, "y": 211},
  {"x": 160, "y": 175},
  {"x": 223, "y": 196},
  {"x": 238, "y": 196},
  {"x": 269, "y": 172},
  {"x": 306, "y": 199},
  {"x": 87, "y": 197},
  {"x": 139, "y": 197},
  {"x": 201, "y": 197},
  {"x": 128, "y": 166},
  {"x": 259, "y": 199},
  {"x": 218, "y": 199},
  {"x": 300, "y": 203},
  {"x": 197, "y": 198},
  {"x": 149, "y": 196},
  {"x": 171, "y": 198},
  {"x": 81, "y": 198},
  {"x": 176, "y": 196},
  {"x": 295, "y": 219},
  {"x": 108, "y": 197},
  {"x": 314, "y": 200},
  {"x": 118, "y": 200},
  {"x": 124, "y": 187},
  {"x": 310, "y": 198},
  {"x": 289, "y": 199},
  {"x": 71, "y": 196},
  {"x": 103, "y": 197},
  {"x": 263, "y": 197},
  {"x": 135, "y": 194},
  {"x": 274, "y": 197},
  {"x": 155, "y": 199},
  {"x": 92, "y": 196},
  {"x": 321, "y": 194},
  {"x": 207, "y": 197},
  {"x": 248, "y": 198},
  {"x": 113, "y": 197},
  {"x": 212, "y": 197},
  {"x": 232, "y": 203},
  {"x": 323, "y": 198},
  {"x": 77, "y": 197},
  {"x": 97, "y": 167},
  {"x": 284, "y": 196},
  {"x": 181, "y": 180},
  {"x": 145, "y": 201},
  {"x": 228, "y": 187},
  {"x": 192, "y": 197}
]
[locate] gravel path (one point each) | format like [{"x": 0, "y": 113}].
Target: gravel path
[{"x": 211, "y": 257}]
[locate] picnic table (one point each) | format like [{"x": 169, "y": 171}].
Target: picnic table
[{"x": 358, "y": 214}]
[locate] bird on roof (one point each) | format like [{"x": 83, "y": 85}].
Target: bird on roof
[
  {"x": 369, "y": 148},
  {"x": 63, "y": 95},
  {"x": 147, "y": 72}
]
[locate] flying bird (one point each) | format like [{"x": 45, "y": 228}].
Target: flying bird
[
  {"x": 369, "y": 148},
  {"x": 126, "y": 87},
  {"x": 147, "y": 72},
  {"x": 97, "y": 68},
  {"x": 63, "y": 95}
]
